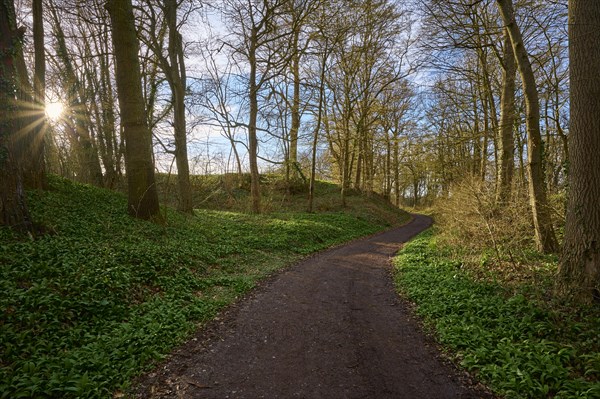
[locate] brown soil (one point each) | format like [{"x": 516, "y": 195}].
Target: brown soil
[{"x": 331, "y": 326}]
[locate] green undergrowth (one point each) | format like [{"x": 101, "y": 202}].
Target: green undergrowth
[
  {"x": 510, "y": 337},
  {"x": 100, "y": 297}
]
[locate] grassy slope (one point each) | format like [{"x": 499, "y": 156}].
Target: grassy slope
[
  {"x": 101, "y": 296},
  {"x": 509, "y": 334}
]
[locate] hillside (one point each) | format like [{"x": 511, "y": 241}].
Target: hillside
[{"x": 100, "y": 296}]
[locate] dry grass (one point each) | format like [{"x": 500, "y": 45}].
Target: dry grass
[{"x": 494, "y": 241}]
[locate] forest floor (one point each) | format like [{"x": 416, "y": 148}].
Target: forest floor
[{"x": 332, "y": 326}]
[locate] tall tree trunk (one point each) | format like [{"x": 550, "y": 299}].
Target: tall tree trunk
[
  {"x": 484, "y": 144},
  {"x": 142, "y": 193},
  {"x": 489, "y": 108},
  {"x": 544, "y": 232},
  {"x": 388, "y": 166},
  {"x": 415, "y": 190},
  {"x": 13, "y": 206},
  {"x": 313, "y": 163},
  {"x": 397, "y": 167},
  {"x": 113, "y": 155},
  {"x": 29, "y": 121},
  {"x": 346, "y": 166},
  {"x": 35, "y": 173},
  {"x": 368, "y": 181},
  {"x": 252, "y": 138},
  {"x": 177, "y": 79},
  {"x": 506, "y": 140},
  {"x": 295, "y": 111},
  {"x": 580, "y": 266},
  {"x": 105, "y": 113},
  {"x": 476, "y": 165},
  {"x": 359, "y": 160}
]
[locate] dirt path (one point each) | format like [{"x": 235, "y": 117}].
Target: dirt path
[{"x": 329, "y": 327}]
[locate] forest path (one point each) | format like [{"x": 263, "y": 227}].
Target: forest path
[{"x": 331, "y": 326}]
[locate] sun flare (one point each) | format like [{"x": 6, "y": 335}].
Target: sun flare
[{"x": 54, "y": 110}]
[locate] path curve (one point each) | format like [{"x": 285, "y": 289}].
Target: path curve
[{"x": 331, "y": 326}]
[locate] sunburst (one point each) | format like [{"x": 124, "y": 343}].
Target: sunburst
[{"x": 54, "y": 110}]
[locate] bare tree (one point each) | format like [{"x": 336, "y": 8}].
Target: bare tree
[
  {"x": 324, "y": 42},
  {"x": 160, "y": 21},
  {"x": 261, "y": 46},
  {"x": 217, "y": 98},
  {"x": 79, "y": 122},
  {"x": 544, "y": 232},
  {"x": 298, "y": 13}
]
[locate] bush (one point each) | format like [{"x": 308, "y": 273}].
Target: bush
[{"x": 471, "y": 218}]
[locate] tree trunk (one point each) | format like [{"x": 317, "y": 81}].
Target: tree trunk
[
  {"x": 177, "y": 80},
  {"x": 295, "y": 111},
  {"x": 415, "y": 191},
  {"x": 313, "y": 164},
  {"x": 13, "y": 206},
  {"x": 580, "y": 266},
  {"x": 506, "y": 140},
  {"x": 35, "y": 173},
  {"x": 105, "y": 114},
  {"x": 359, "y": 162},
  {"x": 111, "y": 162},
  {"x": 544, "y": 232},
  {"x": 397, "y": 167},
  {"x": 252, "y": 138},
  {"x": 142, "y": 193},
  {"x": 345, "y": 165},
  {"x": 485, "y": 143},
  {"x": 388, "y": 166},
  {"x": 476, "y": 165},
  {"x": 489, "y": 108}
]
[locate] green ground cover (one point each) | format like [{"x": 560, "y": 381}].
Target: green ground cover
[
  {"x": 99, "y": 297},
  {"x": 516, "y": 338}
]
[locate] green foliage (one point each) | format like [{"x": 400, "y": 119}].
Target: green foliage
[
  {"x": 511, "y": 341},
  {"x": 100, "y": 296}
]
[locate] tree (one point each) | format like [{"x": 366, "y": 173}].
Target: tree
[
  {"x": 324, "y": 42},
  {"x": 79, "y": 123},
  {"x": 506, "y": 140},
  {"x": 374, "y": 38},
  {"x": 13, "y": 207},
  {"x": 216, "y": 99},
  {"x": 176, "y": 76},
  {"x": 35, "y": 173},
  {"x": 141, "y": 186},
  {"x": 85, "y": 143},
  {"x": 172, "y": 64},
  {"x": 580, "y": 265},
  {"x": 99, "y": 74},
  {"x": 463, "y": 38},
  {"x": 261, "y": 46},
  {"x": 395, "y": 108},
  {"x": 544, "y": 232},
  {"x": 299, "y": 12}
]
